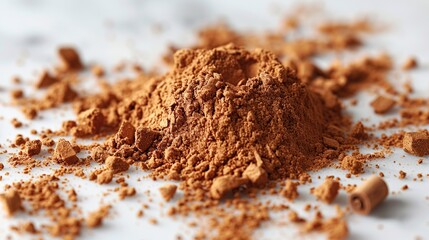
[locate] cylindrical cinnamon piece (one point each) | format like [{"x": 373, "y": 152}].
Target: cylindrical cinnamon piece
[{"x": 368, "y": 195}]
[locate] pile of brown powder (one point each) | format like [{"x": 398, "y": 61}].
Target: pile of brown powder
[{"x": 218, "y": 111}]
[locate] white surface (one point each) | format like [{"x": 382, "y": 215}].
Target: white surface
[{"x": 110, "y": 31}]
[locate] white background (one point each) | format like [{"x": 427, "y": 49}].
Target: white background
[{"x": 108, "y": 32}]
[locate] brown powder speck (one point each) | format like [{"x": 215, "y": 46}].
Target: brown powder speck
[
  {"x": 28, "y": 227},
  {"x": 125, "y": 134},
  {"x": 16, "y": 123},
  {"x": 328, "y": 191},
  {"x": 70, "y": 59},
  {"x": 33, "y": 147},
  {"x": 11, "y": 202},
  {"x": 126, "y": 192},
  {"x": 409, "y": 64},
  {"x": 97, "y": 70},
  {"x": 16, "y": 94},
  {"x": 116, "y": 164},
  {"x": 358, "y": 131},
  {"x": 382, "y": 104},
  {"x": 168, "y": 191},
  {"x": 290, "y": 190},
  {"x": 294, "y": 217},
  {"x": 45, "y": 80},
  {"x": 105, "y": 177},
  {"x": 402, "y": 174}
]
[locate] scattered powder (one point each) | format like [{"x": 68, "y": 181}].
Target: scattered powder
[{"x": 205, "y": 123}]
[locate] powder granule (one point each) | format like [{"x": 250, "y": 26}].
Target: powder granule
[
  {"x": 290, "y": 190},
  {"x": 45, "y": 80},
  {"x": 105, "y": 177},
  {"x": 33, "y": 147},
  {"x": 382, "y": 104},
  {"x": 70, "y": 59},
  {"x": 358, "y": 131},
  {"x": 168, "y": 191},
  {"x": 116, "y": 164},
  {"x": 64, "y": 153},
  {"x": 328, "y": 191}
]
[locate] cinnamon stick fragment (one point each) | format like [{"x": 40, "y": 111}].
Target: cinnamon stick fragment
[{"x": 369, "y": 195}]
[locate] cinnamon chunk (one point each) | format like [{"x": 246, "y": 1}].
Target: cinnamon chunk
[
  {"x": 11, "y": 202},
  {"x": 328, "y": 191},
  {"x": 416, "y": 143},
  {"x": 382, "y": 104},
  {"x": 144, "y": 138},
  {"x": 70, "y": 59},
  {"x": 64, "y": 153}
]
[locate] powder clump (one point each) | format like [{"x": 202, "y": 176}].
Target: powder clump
[{"x": 328, "y": 191}]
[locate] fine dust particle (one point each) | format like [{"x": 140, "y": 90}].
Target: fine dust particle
[
  {"x": 402, "y": 174},
  {"x": 410, "y": 63},
  {"x": 405, "y": 187},
  {"x": 11, "y": 202},
  {"x": 116, "y": 164},
  {"x": 16, "y": 123},
  {"x": 295, "y": 218},
  {"x": 290, "y": 190},
  {"x": 16, "y": 94},
  {"x": 97, "y": 71},
  {"x": 416, "y": 143},
  {"x": 328, "y": 191},
  {"x": 95, "y": 219},
  {"x": 64, "y": 153},
  {"x": 168, "y": 191},
  {"x": 224, "y": 184},
  {"x": 382, "y": 104},
  {"x": 70, "y": 59}
]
